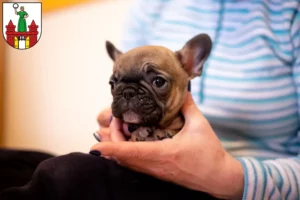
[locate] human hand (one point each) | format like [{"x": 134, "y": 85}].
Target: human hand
[
  {"x": 193, "y": 158},
  {"x": 111, "y": 129},
  {"x": 104, "y": 119}
]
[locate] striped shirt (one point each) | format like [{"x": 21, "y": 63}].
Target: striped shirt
[{"x": 250, "y": 86}]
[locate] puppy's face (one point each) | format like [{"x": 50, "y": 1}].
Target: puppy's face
[{"x": 149, "y": 83}]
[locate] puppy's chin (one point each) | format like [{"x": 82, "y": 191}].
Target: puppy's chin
[{"x": 131, "y": 117}]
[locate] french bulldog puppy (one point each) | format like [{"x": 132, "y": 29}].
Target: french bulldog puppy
[{"x": 149, "y": 83}]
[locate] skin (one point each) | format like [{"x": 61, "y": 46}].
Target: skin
[
  {"x": 22, "y": 9},
  {"x": 194, "y": 158}
]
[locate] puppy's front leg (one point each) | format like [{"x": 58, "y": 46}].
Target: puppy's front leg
[
  {"x": 142, "y": 134},
  {"x": 160, "y": 134},
  {"x": 171, "y": 130}
]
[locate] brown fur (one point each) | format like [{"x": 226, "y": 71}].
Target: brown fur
[
  {"x": 168, "y": 64},
  {"x": 180, "y": 67}
]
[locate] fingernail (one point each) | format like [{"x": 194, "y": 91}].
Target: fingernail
[
  {"x": 132, "y": 127},
  {"x": 95, "y": 153},
  {"x": 98, "y": 138}
]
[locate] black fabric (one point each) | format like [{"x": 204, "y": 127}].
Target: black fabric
[
  {"x": 89, "y": 177},
  {"x": 18, "y": 166}
]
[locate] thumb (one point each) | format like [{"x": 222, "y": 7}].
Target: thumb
[
  {"x": 116, "y": 130},
  {"x": 189, "y": 109}
]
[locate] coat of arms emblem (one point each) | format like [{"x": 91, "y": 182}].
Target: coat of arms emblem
[{"x": 22, "y": 24}]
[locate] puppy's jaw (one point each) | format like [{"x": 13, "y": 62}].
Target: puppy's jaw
[
  {"x": 131, "y": 117},
  {"x": 143, "y": 108}
]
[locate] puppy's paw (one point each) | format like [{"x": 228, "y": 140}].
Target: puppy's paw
[
  {"x": 160, "y": 134},
  {"x": 170, "y": 133},
  {"x": 142, "y": 134}
]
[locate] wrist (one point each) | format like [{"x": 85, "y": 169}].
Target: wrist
[{"x": 231, "y": 179}]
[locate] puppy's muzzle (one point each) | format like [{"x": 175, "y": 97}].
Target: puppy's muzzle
[{"x": 129, "y": 93}]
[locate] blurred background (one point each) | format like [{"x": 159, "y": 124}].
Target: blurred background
[{"x": 51, "y": 94}]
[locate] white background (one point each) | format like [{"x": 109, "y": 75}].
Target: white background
[
  {"x": 55, "y": 90},
  {"x": 32, "y": 9}
]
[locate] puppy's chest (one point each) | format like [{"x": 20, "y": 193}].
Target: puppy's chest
[{"x": 157, "y": 133}]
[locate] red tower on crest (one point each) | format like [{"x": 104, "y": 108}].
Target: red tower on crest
[
  {"x": 32, "y": 33},
  {"x": 10, "y": 31}
]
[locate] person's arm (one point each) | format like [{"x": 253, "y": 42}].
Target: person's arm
[
  {"x": 279, "y": 178},
  {"x": 135, "y": 26},
  {"x": 16, "y": 11},
  {"x": 26, "y": 15}
]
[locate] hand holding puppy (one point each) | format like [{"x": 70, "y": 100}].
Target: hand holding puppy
[
  {"x": 111, "y": 129},
  {"x": 194, "y": 158}
]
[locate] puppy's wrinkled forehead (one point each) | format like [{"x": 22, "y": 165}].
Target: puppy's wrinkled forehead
[{"x": 139, "y": 59}]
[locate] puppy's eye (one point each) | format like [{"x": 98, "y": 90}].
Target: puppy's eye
[
  {"x": 112, "y": 84},
  {"x": 159, "y": 82}
]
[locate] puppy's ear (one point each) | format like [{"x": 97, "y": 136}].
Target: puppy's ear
[
  {"x": 112, "y": 51},
  {"x": 194, "y": 53}
]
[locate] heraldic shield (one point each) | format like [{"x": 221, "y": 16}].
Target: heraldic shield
[{"x": 22, "y": 24}]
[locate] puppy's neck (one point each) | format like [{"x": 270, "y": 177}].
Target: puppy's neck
[
  {"x": 175, "y": 123},
  {"x": 174, "y": 113}
]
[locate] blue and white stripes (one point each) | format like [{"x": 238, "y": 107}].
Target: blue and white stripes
[{"x": 250, "y": 86}]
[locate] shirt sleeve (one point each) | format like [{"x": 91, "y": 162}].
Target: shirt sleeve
[
  {"x": 279, "y": 178},
  {"x": 135, "y": 26}
]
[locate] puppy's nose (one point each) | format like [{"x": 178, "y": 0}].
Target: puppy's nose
[{"x": 129, "y": 93}]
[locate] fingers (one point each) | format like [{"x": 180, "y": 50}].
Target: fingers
[
  {"x": 104, "y": 135},
  {"x": 104, "y": 117},
  {"x": 112, "y": 133},
  {"x": 116, "y": 130}
]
